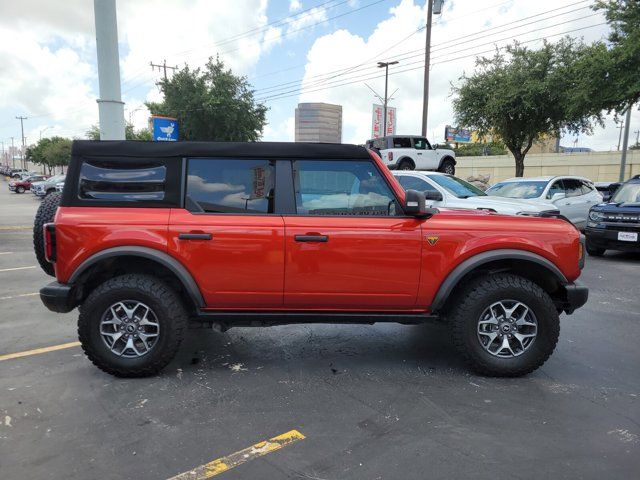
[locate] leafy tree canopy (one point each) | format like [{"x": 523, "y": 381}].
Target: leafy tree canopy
[
  {"x": 523, "y": 94},
  {"x": 211, "y": 104},
  {"x": 50, "y": 152}
]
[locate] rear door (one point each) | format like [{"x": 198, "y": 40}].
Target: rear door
[
  {"x": 228, "y": 236},
  {"x": 349, "y": 245},
  {"x": 577, "y": 203}
]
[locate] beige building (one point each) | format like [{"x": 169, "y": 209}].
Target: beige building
[{"x": 318, "y": 123}]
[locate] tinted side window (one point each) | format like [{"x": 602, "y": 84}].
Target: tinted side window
[
  {"x": 420, "y": 144},
  {"x": 342, "y": 187},
  {"x": 122, "y": 181},
  {"x": 573, "y": 187},
  {"x": 401, "y": 142},
  {"x": 230, "y": 186},
  {"x": 557, "y": 187},
  {"x": 415, "y": 183}
]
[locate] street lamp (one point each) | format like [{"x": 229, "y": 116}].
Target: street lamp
[
  {"x": 44, "y": 130},
  {"x": 385, "y": 65}
]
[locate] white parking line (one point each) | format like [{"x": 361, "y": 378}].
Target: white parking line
[
  {"x": 19, "y": 296},
  {"x": 15, "y": 268},
  {"x": 6, "y": 253}
]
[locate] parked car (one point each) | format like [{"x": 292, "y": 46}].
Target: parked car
[
  {"x": 59, "y": 186},
  {"x": 616, "y": 225},
  {"x": 17, "y": 172},
  {"x": 411, "y": 152},
  {"x": 41, "y": 189},
  {"x": 147, "y": 236},
  {"x": 607, "y": 189},
  {"x": 451, "y": 192},
  {"x": 21, "y": 185},
  {"x": 573, "y": 196}
]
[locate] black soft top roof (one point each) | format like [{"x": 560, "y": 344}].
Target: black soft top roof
[{"x": 131, "y": 148}]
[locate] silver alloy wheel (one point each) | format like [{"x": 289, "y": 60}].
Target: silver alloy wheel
[
  {"x": 129, "y": 328},
  {"x": 448, "y": 169},
  {"x": 507, "y": 328}
]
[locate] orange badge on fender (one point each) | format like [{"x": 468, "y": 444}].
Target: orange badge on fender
[{"x": 432, "y": 239}]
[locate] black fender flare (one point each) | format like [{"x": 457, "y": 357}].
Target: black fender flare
[
  {"x": 164, "y": 259},
  {"x": 402, "y": 159},
  {"x": 445, "y": 158},
  {"x": 459, "y": 272}
]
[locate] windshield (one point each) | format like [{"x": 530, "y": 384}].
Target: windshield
[
  {"x": 530, "y": 189},
  {"x": 456, "y": 186},
  {"x": 628, "y": 193}
]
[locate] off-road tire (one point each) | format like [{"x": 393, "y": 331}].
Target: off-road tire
[
  {"x": 480, "y": 293},
  {"x": 20, "y": 189},
  {"x": 46, "y": 213},
  {"x": 406, "y": 165},
  {"x": 448, "y": 166},
  {"x": 162, "y": 299},
  {"x": 594, "y": 251}
]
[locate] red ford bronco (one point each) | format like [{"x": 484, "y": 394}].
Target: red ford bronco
[{"x": 148, "y": 236}]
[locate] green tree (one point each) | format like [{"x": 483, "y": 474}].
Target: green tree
[
  {"x": 129, "y": 133},
  {"x": 478, "y": 149},
  {"x": 50, "y": 152},
  {"x": 211, "y": 104},
  {"x": 524, "y": 94}
]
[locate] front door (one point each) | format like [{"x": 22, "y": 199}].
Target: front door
[
  {"x": 228, "y": 236},
  {"x": 349, "y": 247}
]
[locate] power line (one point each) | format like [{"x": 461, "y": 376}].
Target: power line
[{"x": 396, "y": 72}]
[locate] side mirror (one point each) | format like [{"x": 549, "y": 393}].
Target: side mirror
[
  {"x": 557, "y": 196},
  {"x": 433, "y": 195},
  {"x": 435, "y": 146},
  {"x": 414, "y": 205}
]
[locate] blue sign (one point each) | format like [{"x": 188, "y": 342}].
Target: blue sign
[
  {"x": 164, "y": 129},
  {"x": 455, "y": 134}
]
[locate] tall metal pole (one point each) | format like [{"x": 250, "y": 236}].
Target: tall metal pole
[
  {"x": 22, "y": 162},
  {"x": 13, "y": 157},
  {"x": 386, "y": 99},
  {"x": 625, "y": 144},
  {"x": 427, "y": 61},
  {"x": 110, "y": 105}
]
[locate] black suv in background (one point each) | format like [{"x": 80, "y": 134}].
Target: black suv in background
[{"x": 616, "y": 225}]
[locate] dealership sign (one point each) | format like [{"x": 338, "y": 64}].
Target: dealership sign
[
  {"x": 165, "y": 129},
  {"x": 458, "y": 135},
  {"x": 378, "y": 124}
]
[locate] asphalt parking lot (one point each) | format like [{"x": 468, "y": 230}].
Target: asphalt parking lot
[{"x": 366, "y": 402}]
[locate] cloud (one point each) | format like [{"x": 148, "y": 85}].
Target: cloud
[
  {"x": 453, "y": 47},
  {"x": 313, "y": 16},
  {"x": 295, "y": 5}
]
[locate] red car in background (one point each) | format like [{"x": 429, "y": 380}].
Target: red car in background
[{"x": 19, "y": 186}]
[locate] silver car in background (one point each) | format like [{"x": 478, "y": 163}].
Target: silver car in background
[{"x": 42, "y": 189}]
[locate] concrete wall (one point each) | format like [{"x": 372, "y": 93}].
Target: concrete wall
[
  {"x": 318, "y": 122},
  {"x": 596, "y": 166}
]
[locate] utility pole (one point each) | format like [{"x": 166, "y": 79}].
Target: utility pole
[
  {"x": 3, "y": 157},
  {"x": 22, "y": 119},
  {"x": 434, "y": 6},
  {"x": 43, "y": 130},
  {"x": 621, "y": 126},
  {"x": 110, "y": 105},
  {"x": 164, "y": 67},
  {"x": 637, "y": 132},
  {"x": 13, "y": 158},
  {"x": 385, "y": 65},
  {"x": 625, "y": 144}
]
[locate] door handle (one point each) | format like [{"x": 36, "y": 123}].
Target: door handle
[
  {"x": 419, "y": 153},
  {"x": 312, "y": 238},
  {"x": 195, "y": 236}
]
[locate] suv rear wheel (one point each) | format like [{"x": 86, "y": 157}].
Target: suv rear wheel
[
  {"x": 406, "y": 165},
  {"x": 132, "y": 325},
  {"x": 448, "y": 167},
  {"x": 504, "y": 325}
]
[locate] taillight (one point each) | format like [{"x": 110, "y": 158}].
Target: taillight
[
  {"x": 49, "y": 232},
  {"x": 390, "y": 156}
]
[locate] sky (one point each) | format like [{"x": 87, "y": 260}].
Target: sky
[{"x": 290, "y": 51}]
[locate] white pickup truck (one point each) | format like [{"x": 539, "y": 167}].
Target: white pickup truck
[{"x": 412, "y": 152}]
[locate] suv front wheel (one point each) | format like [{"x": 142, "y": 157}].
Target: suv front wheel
[
  {"x": 504, "y": 325},
  {"x": 132, "y": 325}
]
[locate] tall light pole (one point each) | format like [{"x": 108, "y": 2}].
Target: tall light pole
[
  {"x": 13, "y": 157},
  {"x": 434, "y": 7},
  {"x": 22, "y": 119},
  {"x": 385, "y": 65},
  {"x": 110, "y": 105},
  {"x": 625, "y": 144},
  {"x": 44, "y": 130}
]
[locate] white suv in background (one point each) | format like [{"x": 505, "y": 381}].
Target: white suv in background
[
  {"x": 411, "y": 152},
  {"x": 573, "y": 196},
  {"x": 447, "y": 191}
]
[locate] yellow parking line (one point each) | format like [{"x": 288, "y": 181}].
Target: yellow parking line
[
  {"x": 15, "y": 268},
  {"x": 19, "y": 296},
  {"x": 38, "y": 351},
  {"x": 216, "y": 467},
  {"x": 16, "y": 227}
]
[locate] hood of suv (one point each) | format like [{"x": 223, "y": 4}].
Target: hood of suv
[
  {"x": 629, "y": 212},
  {"x": 515, "y": 205}
]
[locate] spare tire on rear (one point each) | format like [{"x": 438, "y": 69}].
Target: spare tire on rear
[{"x": 46, "y": 213}]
